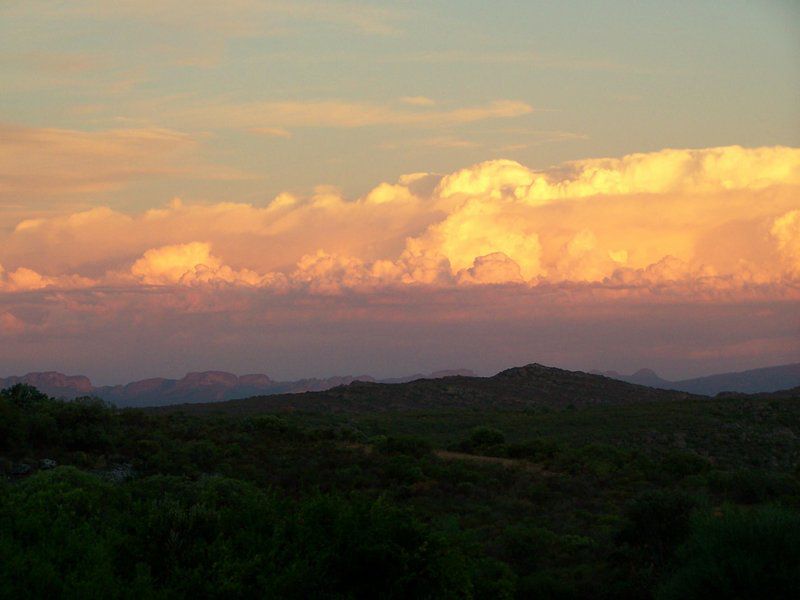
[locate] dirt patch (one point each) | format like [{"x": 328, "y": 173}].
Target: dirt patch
[{"x": 496, "y": 460}]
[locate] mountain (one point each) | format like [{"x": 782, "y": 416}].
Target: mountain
[
  {"x": 531, "y": 386},
  {"x": 207, "y": 386},
  {"x": 219, "y": 386},
  {"x": 53, "y": 384},
  {"x": 753, "y": 381}
]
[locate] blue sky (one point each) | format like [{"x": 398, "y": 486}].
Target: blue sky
[{"x": 601, "y": 78}]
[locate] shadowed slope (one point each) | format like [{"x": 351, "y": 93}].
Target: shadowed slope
[
  {"x": 752, "y": 381},
  {"x": 530, "y": 386}
]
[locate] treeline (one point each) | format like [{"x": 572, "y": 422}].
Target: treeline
[{"x": 123, "y": 503}]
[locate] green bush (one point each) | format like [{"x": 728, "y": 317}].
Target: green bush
[
  {"x": 677, "y": 464},
  {"x": 539, "y": 449},
  {"x": 407, "y": 445},
  {"x": 753, "y": 486},
  {"x": 740, "y": 553},
  {"x": 482, "y": 439},
  {"x": 656, "y": 522},
  {"x": 64, "y": 533}
]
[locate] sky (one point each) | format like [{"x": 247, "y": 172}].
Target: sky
[{"x": 318, "y": 188}]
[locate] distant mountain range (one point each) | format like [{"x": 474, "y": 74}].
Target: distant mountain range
[
  {"x": 219, "y": 386},
  {"x": 207, "y": 386},
  {"x": 753, "y": 381},
  {"x": 530, "y": 387}
]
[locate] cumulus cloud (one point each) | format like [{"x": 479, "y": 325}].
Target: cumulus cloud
[
  {"x": 721, "y": 219},
  {"x": 665, "y": 172},
  {"x": 187, "y": 264},
  {"x": 786, "y": 230},
  {"x": 492, "y": 268},
  {"x": 23, "y": 279}
]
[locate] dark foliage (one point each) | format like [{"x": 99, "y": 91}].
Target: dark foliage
[{"x": 680, "y": 499}]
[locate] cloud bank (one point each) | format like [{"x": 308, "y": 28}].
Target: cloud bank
[
  {"x": 697, "y": 221},
  {"x": 684, "y": 259}
]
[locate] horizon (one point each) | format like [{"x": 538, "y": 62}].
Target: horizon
[
  {"x": 389, "y": 189},
  {"x": 380, "y": 378}
]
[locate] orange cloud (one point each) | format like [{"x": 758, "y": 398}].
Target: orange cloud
[
  {"x": 278, "y": 132},
  {"x": 190, "y": 264},
  {"x": 719, "y": 219},
  {"x": 23, "y": 279},
  {"x": 37, "y": 161},
  {"x": 340, "y": 114},
  {"x": 418, "y": 100},
  {"x": 786, "y": 230}
]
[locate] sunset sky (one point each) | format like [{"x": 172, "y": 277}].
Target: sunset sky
[{"x": 318, "y": 188}]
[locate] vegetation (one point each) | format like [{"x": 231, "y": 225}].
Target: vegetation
[{"x": 675, "y": 499}]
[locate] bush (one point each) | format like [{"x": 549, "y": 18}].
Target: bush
[
  {"x": 656, "y": 522},
  {"x": 752, "y": 486},
  {"x": 265, "y": 424},
  {"x": 740, "y": 553},
  {"x": 409, "y": 446},
  {"x": 64, "y": 533},
  {"x": 482, "y": 439},
  {"x": 539, "y": 449},
  {"x": 682, "y": 464}
]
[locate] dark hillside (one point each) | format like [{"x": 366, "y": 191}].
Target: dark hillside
[
  {"x": 581, "y": 491},
  {"x": 530, "y": 386}
]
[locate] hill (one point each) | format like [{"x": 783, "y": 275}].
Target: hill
[
  {"x": 494, "y": 495},
  {"x": 206, "y": 386},
  {"x": 751, "y": 381},
  {"x": 518, "y": 388}
]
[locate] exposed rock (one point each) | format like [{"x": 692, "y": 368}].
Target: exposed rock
[
  {"x": 47, "y": 463},
  {"x": 120, "y": 472},
  {"x": 53, "y": 384},
  {"x": 20, "y": 469}
]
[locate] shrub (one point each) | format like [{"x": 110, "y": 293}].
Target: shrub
[
  {"x": 482, "y": 439},
  {"x": 682, "y": 464},
  {"x": 407, "y": 445},
  {"x": 752, "y": 486},
  {"x": 538, "y": 449},
  {"x": 656, "y": 522},
  {"x": 740, "y": 553}
]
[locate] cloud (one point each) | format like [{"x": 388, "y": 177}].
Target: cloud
[
  {"x": 786, "y": 230},
  {"x": 418, "y": 100},
  {"x": 184, "y": 263},
  {"x": 667, "y": 171},
  {"x": 43, "y": 161},
  {"x": 23, "y": 279},
  {"x": 448, "y": 142},
  {"x": 272, "y": 132},
  {"x": 717, "y": 221},
  {"x": 340, "y": 114},
  {"x": 492, "y": 268}
]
